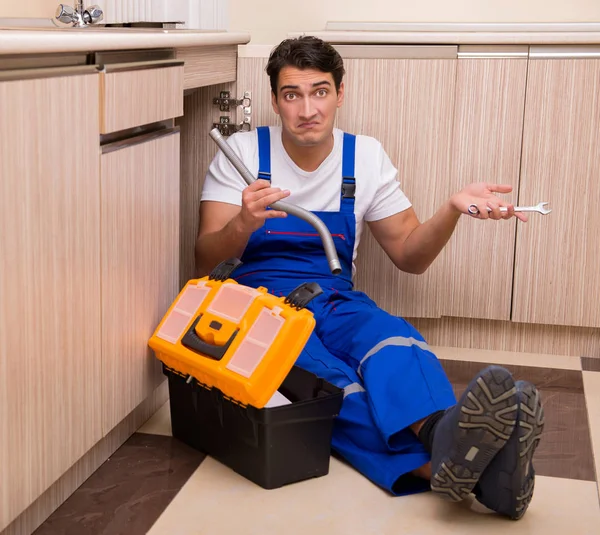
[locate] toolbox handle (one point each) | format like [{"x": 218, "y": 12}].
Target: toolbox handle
[{"x": 192, "y": 341}]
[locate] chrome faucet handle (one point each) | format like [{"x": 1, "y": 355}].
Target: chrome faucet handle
[
  {"x": 93, "y": 14},
  {"x": 66, "y": 14},
  {"x": 77, "y": 16}
]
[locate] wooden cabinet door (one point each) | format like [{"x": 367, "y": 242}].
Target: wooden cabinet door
[
  {"x": 486, "y": 147},
  {"x": 407, "y": 104},
  {"x": 50, "y": 361},
  {"x": 557, "y": 277},
  {"x": 140, "y": 264}
]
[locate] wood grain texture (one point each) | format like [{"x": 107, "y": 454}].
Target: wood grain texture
[
  {"x": 139, "y": 97},
  {"x": 140, "y": 267},
  {"x": 197, "y": 151},
  {"x": 59, "y": 492},
  {"x": 407, "y": 104},
  {"x": 486, "y": 147},
  {"x": 252, "y": 77},
  {"x": 557, "y": 280},
  {"x": 50, "y": 396},
  {"x": 208, "y": 65},
  {"x": 510, "y": 336}
]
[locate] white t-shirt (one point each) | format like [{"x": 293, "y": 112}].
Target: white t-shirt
[{"x": 378, "y": 194}]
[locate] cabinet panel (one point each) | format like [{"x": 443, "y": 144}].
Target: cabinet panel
[
  {"x": 407, "y": 104},
  {"x": 138, "y": 97},
  {"x": 556, "y": 265},
  {"x": 252, "y": 77},
  {"x": 140, "y": 259},
  {"x": 486, "y": 147},
  {"x": 208, "y": 65},
  {"x": 50, "y": 361},
  {"x": 197, "y": 152}
]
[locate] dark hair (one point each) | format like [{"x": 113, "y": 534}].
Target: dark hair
[{"x": 305, "y": 52}]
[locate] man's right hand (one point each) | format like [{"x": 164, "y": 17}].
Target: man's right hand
[{"x": 255, "y": 199}]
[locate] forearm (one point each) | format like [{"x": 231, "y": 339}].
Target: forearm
[
  {"x": 427, "y": 240},
  {"x": 215, "y": 247}
]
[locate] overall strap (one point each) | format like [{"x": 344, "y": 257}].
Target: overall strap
[
  {"x": 264, "y": 153},
  {"x": 348, "y": 182}
]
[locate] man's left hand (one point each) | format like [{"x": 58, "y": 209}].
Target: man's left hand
[{"x": 482, "y": 195}]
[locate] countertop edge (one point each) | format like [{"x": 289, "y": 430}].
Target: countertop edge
[
  {"x": 15, "y": 42},
  {"x": 455, "y": 38},
  {"x": 515, "y": 27}
]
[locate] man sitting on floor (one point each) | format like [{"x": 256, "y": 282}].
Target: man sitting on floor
[{"x": 400, "y": 424}]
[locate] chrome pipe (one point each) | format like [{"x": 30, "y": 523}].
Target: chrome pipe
[{"x": 309, "y": 217}]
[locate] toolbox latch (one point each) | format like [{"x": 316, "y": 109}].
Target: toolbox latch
[
  {"x": 303, "y": 294},
  {"x": 224, "y": 270}
]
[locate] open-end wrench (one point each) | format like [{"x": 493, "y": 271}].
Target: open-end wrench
[{"x": 541, "y": 208}]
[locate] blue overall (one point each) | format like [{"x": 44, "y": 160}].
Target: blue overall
[{"x": 390, "y": 377}]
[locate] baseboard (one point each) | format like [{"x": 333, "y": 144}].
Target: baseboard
[{"x": 30, "y": 519}]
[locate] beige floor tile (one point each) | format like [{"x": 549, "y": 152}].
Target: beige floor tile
[
  {"x": 159, "y": 423},
  {"x": 561, "y": 362},
  {"x": 591, "y": 387},
  {"x": 217, "y": 500}
]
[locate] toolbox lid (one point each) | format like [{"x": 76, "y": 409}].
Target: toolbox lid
[{"x": 241, "y": 340}]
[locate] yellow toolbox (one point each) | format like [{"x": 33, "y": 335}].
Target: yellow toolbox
[{"x": 241, "y": 340}]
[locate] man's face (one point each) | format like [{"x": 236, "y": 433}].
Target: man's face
[{"x": 307, "y": 102}]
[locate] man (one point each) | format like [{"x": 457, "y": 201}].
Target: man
[{"x": 400, "y": 424}]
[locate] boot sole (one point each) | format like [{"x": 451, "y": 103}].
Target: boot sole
[
  {"x": 530, "y": 429},
  {"x": 486, "y": 421}
]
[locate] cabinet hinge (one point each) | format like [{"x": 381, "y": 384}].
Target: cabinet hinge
[
  {"x": 225, "y": 102},
  {"x": 227, "y": 125}
]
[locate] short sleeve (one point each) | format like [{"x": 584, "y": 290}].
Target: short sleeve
[
  {"x": 223, "y": 183},
  {"x": 389, "y": 198}
]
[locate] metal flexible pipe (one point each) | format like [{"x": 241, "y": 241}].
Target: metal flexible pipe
[{"x": 309, "y": 217}]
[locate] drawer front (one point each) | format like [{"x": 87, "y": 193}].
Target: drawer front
[{"x": 139, "y": 94}]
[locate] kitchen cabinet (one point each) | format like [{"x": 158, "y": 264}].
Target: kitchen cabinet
[
  {"x": 486, "y": 147},
  {"x": 557, "y": 279},
  {"x": 140, "y": 93},
  {"x": 90, "y": 229},
  {"x": 450, "y": 116},
  {"x": 50, "y": 336},
  {"x": 139, "y": 192},
  {"x": 407, "y": 104}
]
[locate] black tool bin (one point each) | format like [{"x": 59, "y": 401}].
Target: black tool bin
[{"x": 271, "y": 446}]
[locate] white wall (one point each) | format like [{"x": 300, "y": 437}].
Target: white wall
[
  {"x": 29, "y": 8},
  {"x": 269, "y": 21}
]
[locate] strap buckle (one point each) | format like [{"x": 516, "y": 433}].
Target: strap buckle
[{"x": 348, "y": 189}]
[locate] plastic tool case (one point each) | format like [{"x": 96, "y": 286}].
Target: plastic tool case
[{"x": 226, "y": 349}]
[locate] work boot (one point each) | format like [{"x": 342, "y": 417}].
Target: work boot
[
  {"x": 472, "y": 432},
  {"x": 506, "y": 486}
]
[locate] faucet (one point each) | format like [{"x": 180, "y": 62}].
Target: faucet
[{"x": 78, "y": 16}]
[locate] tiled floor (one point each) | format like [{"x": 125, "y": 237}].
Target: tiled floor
[
  {"x": 154, "y": 484},
  {"x": 129, "y": 491}
]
